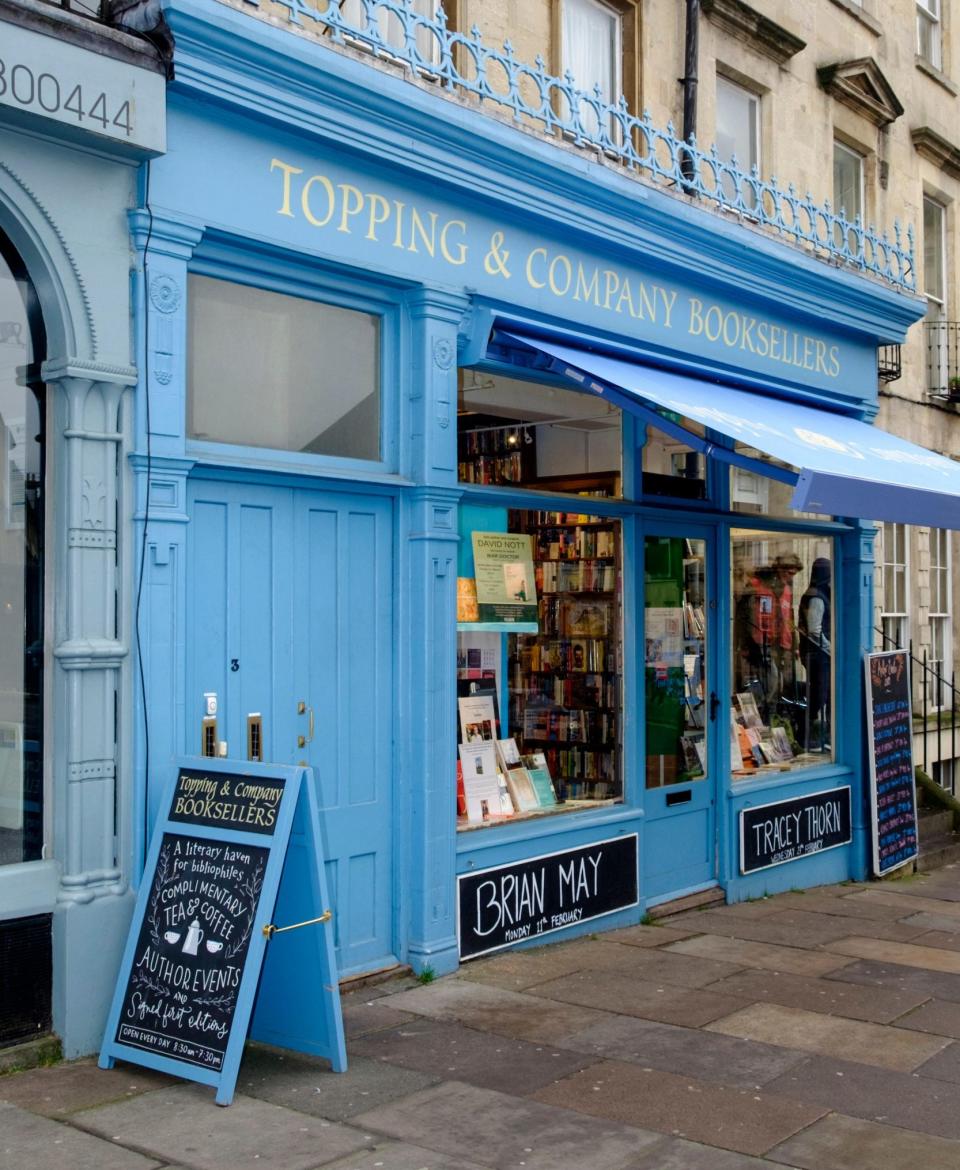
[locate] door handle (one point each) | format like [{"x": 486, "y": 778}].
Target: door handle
[
  {"x": 714, "y": 704},
  {"x": 303, "y": 709}
]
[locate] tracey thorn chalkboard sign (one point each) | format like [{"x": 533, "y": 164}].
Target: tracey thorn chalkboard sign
[
  {"x": 771, "y": 834},
  {"x": 890, "y": 738},
  {"x": 221, "y": 867},
  {"x": 513, "y": 903}
]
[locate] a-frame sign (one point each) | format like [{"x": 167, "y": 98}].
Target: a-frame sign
[{"x": 236, "y": 860}]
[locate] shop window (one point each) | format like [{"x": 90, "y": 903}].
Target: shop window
[
  {"x": 895, "y": 614},
  {"x": 782, "y": 708},
  {"x": 929, "y": 32},
  {"x": 941, "y": 658},
  {"x": 753, "y": 492},
  {"x": 513, "y": 433},
  {"x": 270, "y": 370},
  {"x": 675, "y": 660},
  {"x": 539, "y": 664},
  {"x": 22, "y": 350},
  {"x": 672, "y": 468},
  {"x": 737, "y": 133}
]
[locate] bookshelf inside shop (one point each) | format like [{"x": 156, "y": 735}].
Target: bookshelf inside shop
[
  {"x": 561, "y": 740},
  {"x": 492, "y": 453}
]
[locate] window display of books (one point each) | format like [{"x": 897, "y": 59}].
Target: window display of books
[
  {"x": 495, "y": 782},
  {"x": 565, "y": 681},
  {"x": 755, "y": 746}
]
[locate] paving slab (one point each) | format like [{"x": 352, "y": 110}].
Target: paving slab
[
  {"x": 903, "y": 954},
  {"x": 74, "y": 1085},
  {"x": 613, "y": 991},
  {"x": 932, "y": 984},
  {"x": 518, "y": 970},
  {"x": 875, "y": 1094},
  {"x": 928, "y": 920},
  {"x": 851, "y": 905},
  {"x": 647, "y": 936},
  {"x": 402, "y": 1156},
  {"x": 827, "y": 996},
  {"x": 691, "y": 1052},
  {"x": 502, "y": 1131},
  {"x": 877, "y": 1044},
  {"x": 679, "y": 1154},
  {"x": 361, "y": 1017},
  {"x": 912, "y": 901},
  {"x": 937, "y": 1016},
  {"x": 945, "y": 1066},
  {"x": 789, "y": 928},
  {"x": 848, "y": 1143},
  {"x": 453, "y": 1052},
  {"x": 27, "y": 1140},
  {"x": 766, "y": 956},
  {"x": 948, "y": 940},
  {"x": 309, "y": 1086},
  {"x": 747, "y": 1121},
  {"x": 654, "y": 965},
  {"x": 183, "y": 1126},
  {"x": 494, "y": 1009}
]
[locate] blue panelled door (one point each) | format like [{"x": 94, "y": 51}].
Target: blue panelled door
[{"x": 290, "y": 625}]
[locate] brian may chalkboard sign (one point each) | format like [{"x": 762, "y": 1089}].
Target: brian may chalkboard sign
[
  {"x": 509, "y": 904},
  {"x": 221, "y": 867},
  {"x": 890, "y": 738},
  {"x": 771, "y": 834}
]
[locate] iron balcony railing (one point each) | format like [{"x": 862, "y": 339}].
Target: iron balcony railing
[
  {"x": 943, "y": 359},
  {"x": 99, "y": 10},
  {"x": 936, "y": 697},
  {"x": 889, "y": 367},
  {"x": 399, "y": 31}
]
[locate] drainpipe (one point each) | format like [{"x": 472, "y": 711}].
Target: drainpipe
[{"x": 691, "y": 57}]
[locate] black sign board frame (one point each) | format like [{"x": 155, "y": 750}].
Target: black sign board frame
[
  {"x": 786, "y": 830},
  {"x": 509, "y": 904},
  {"x": 202, "y": 930},
  {"x": 893, "y": 789}
]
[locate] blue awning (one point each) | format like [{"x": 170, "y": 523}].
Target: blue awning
[{"x": 844, "y": 467}]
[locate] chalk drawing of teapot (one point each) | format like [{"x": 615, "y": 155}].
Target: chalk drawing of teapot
[{"x": 194, "y": 938}]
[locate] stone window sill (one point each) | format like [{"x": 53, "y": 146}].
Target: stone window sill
[
  {"x": 857, "y": 12},
  {"x": 935, "y": 75}
]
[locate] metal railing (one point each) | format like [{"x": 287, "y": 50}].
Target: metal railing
[
  {"x": 98, "y": 10},
  {"x": 943, "y": 359},
  {"x": 938, "y": 703},
  {"x": 889, "y": 367},
  {"x": 462, "y": 64}
]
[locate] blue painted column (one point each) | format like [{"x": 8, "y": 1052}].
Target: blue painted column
[
  {"x": 428, "y": 649},
  {"x": 161, "y": 471},
  {"x": 858, "y": 562}
]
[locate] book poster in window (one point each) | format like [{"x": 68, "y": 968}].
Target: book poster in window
[{"x": 506, "y": 585}]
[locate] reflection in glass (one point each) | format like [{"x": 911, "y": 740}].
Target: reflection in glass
[
  {"x": 21, "y": 565},
  {"x": 781, "y": 709},
  {"x": 675, "y": 659}
]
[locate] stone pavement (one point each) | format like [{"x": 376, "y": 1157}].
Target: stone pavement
[{"x": 817, "y": 1030}]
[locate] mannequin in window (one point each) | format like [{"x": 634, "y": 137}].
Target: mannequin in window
[
  {"x": 815, "y": 652},
  {"x": 767, "y": 631}
]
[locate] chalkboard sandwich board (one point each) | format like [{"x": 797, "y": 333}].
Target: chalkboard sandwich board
[
  {"x": 510, "y": 904},
  {"x": 893, "y": 804},
  {"x": 221, "y": 865}
]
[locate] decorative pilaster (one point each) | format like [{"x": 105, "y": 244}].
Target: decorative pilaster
[
  {"x": 430, "y": 525},
  {"x": 89, "y": 647},
  {"x": 855, "y": 627}
]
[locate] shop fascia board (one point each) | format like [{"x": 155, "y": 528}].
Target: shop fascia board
[{"x": 301, "y": 86}]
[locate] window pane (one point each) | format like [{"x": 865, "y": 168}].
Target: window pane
[
  {"x": 933, "y": 284},
  {"x": 737, "y": 130},
  {"x": 21, "y": 568},
  {"x": 552, "y": 697},
  {"x": 928, "y": 31},
  {"x": 591, "y": 53},
  {"x": 847, "y": 182},
  {"x": 782, "y": 706},
  {"x": 269, "y": 370},
  {"x": 675, "y": 649}
]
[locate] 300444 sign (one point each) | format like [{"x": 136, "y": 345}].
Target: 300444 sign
[{"x": 46, "y": 92}]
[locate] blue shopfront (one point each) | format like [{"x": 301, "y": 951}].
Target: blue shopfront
[{"x": 531, "y": 505}]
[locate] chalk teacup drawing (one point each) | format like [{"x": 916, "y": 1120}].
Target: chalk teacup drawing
[
  {"x": 213, "y": 946},
  {"x": 172, "y": 936}
]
